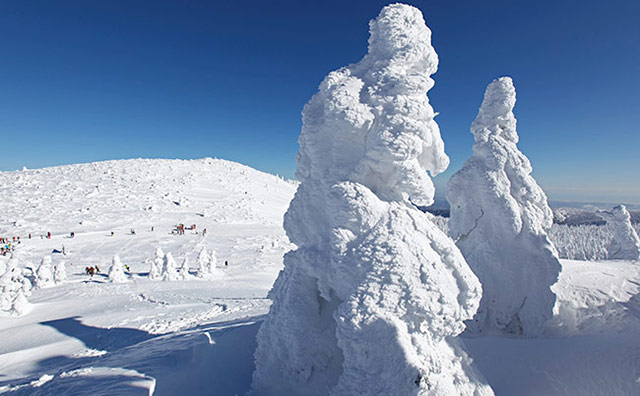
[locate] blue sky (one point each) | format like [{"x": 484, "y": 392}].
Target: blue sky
[{"x": 84, "y": 81}]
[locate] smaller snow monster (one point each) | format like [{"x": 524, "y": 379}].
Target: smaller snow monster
[
  {"x": 499, "y": 220},
  {"x": 371, "y": 301}
]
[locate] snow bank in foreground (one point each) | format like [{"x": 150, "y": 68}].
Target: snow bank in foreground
[
  {"x": 499, "y": 217},
  {"x": 625, "y": 244},
  {"x": 372, "y": 299}
]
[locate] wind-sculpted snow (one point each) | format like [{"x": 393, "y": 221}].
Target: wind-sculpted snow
[
  {"x": 625, "y": 244},
  {"x": 499, "y": 218},
  {"x": 370, "y": 302}
]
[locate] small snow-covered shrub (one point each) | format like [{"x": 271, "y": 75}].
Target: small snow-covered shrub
[
  {"x": 14, "y": 288},
  {"x": 116, "y": 271},
  {"x": 44, "y": 273},
  {"x": 155, "y": 267},
  {"x": 170, "y": 268},
  {"x": 60, "y": 272}
]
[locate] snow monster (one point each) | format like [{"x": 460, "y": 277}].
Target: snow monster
[
  {"x": 500, "y": 218},
  {"x": 371, "y": 301}
]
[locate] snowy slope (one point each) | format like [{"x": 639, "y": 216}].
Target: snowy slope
[
  {"x": 198, "y": 337},
  {"x": 114, "y": 332}
]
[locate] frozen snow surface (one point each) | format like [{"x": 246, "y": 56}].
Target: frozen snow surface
[
  {"x": 625, "y": 244},
  {"x": 371, "y": 301},
  {"x": 499, "y": 219}
]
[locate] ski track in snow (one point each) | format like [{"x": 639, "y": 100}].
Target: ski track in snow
[{"x": 195, "y": 337}]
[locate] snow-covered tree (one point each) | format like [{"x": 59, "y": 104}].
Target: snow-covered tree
[
  {"x": 183, "y": 271},
  {"x": 44, "y": 273},
  {"x": 155, "y": 266},
  {"x": 170, "y": 268},
  {"x": 14, "y": 288},
  {"x": 20, "y": 305},
  {"x": 499, "y": 219},
  {"x": 214, "y": 271},
  {"x": 372, "y": 299},
  {"x": 625, "y": 244},
  {"x": 116, "y": 271},
  {"x": 204, "y": 268},
  {"x": 60, "y": 272}
]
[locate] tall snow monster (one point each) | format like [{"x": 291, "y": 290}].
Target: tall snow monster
[
  {"x": 499, "y": 219},
  {"x": 625, "y": 244},
  {"x": 371, "y": 300}
]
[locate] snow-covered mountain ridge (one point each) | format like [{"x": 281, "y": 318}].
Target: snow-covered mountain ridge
[{"x": 138, "y": 192}]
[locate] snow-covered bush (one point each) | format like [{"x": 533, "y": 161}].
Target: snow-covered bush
[
  {"x": 44, "y": 273},
  {"x": 583, "y": 242},
  {"x": 116, "y": 271},
  {"x": 625, "y": 244},
  {"x": 208, "y": 265},
  {"x": 155, "y": 266},
  {"x": 60, "y": 272},
  {"x": 499, "y": 218},
  {"x": 14, "y": 288},
  {"x": 203, "y": 263},
  {"x": 372, "y": 299},
  {"x": 183, "y": 271},
  {"x": 170, "y": 268},
  {"x": 20, "y": 305},
  {"x": 214, "y": 271}
]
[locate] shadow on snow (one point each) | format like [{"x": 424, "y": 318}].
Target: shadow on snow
[{"x": 212, "y": 359}]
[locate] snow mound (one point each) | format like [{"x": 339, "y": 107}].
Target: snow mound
[
  {"x": 625, "y": 244},
  {"x": 116, "y": 271},
  {"x": 373, "y": 297},
  {"x": 499, "y": 218}
]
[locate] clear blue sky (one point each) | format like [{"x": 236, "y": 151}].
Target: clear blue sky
[{"x": 85, "y": 80}]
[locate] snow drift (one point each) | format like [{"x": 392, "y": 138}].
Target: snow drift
[
  {"x": 373, "y": 297},
  {"x": 499, "y": 218},
  {"x": 625, "y": 244}
]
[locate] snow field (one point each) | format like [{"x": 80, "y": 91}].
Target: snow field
[{"x": 92, "y": 336}]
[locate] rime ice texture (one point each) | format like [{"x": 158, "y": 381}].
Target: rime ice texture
[
  {"x": 499, "y": 219},
  {"x": 372, "y": 299}
]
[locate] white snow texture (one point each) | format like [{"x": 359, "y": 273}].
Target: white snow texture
[
  {"x": 625, "y": 244},
  {"x": 499, "y": 218},
  {"x": 372, "y": 299}
]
